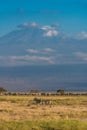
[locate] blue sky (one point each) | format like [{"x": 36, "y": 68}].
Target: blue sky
[{"x": 70, "y": 14}]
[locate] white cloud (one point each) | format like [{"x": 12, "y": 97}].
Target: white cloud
[
  {"x": 50, "y": 27},
  {"x": 33, "y": 24},
  {"x": 51, "y": 33},
  {"x": 26, "y": 59},
  {"x": 47, "y": 28},
  {"x": 26, "y": 25},
  {"x": 82, "y": 35},
  {"x": 38, "y": 58},
  {"x": 81, "y": 55},
  {"x": 41, "y": 58},
  {"x": 32, "y": 51},
  {"x": 42, "y": 51},
  {"x": 48, "y": 50}
]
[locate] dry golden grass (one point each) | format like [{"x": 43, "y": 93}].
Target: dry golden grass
[{"x": 23, "y": 108}]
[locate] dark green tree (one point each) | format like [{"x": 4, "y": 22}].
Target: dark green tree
[
  {"x": 61, "y": 91},
  {"x": 2, "y": 90}
]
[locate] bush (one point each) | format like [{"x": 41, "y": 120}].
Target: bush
[{"x": 37, "y": 101}]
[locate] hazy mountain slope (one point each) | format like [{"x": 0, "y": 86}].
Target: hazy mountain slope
[{"x": 46, "y": 44}]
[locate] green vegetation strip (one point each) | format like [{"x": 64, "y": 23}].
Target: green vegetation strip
[{"x": 44, "y": 125}]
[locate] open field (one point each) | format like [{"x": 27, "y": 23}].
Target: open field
[{"x": 43, "y": 112}]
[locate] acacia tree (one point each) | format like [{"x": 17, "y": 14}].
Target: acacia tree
[
  {"x": 61, "y": 91},
  {"x": 2, "y": 90}
]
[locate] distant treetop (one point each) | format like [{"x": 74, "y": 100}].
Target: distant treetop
[{"x": 2, "y": 89}]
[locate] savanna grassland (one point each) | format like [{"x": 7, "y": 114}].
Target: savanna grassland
[{"x": 27, "y": 113}]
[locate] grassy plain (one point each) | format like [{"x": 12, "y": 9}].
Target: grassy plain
[{"x": 23, "y": 113}]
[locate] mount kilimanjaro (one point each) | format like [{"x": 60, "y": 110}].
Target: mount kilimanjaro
[{"x": 32, "y": 44}]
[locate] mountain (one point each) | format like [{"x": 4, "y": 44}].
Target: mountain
[{"x": 31, "y": 44}]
